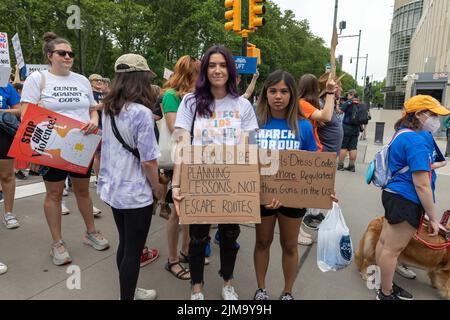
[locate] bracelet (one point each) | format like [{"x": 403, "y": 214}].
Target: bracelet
[
  {"x": 176, "y": 186},
  {"x": 330, "y": 93}
]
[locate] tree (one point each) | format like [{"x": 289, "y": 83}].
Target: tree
[
  {"x": 377, "y": 96},
  {"x": 162, "y": 31}
]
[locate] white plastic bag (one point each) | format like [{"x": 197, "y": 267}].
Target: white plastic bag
[{"x": 334, "y": 248}]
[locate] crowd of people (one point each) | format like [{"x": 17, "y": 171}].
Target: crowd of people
[{"x": 201, "y": 104}]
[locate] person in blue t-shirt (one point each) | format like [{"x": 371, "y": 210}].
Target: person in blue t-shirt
[
  {"x": 9, "y": 102},
  {"x": 409, "y": 195},
  {"x": 282, "y": 127}
]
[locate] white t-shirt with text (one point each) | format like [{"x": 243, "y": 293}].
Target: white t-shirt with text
[
  {"x": 231, "y": 116},
  {"x": 69, "y": 95}
]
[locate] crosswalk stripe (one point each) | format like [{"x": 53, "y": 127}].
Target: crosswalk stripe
[{"x": 33, "y": 189}]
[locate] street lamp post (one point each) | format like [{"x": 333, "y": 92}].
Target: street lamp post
[
  {"x": 365, "y": 72},
  {"x": 357, "y": 59}
]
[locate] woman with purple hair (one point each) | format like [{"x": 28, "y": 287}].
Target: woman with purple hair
[{"x": 213, "y": 114}]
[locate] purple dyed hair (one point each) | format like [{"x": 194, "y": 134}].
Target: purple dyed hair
[{"x": 203, "y": 96}]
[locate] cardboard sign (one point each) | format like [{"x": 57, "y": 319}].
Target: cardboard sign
[
  {"x": 53, "y": 140},
  {"x": 36, "y": 67},
  {"x": 221, "y": 191},
  {"x": 303, "y": 180},
  {"x": 4, "y": 50},
  {"x": 167, "y": 74},
  {"x": 18, "y": 50}
]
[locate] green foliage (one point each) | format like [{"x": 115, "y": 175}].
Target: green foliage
[
  {"x": 162, "y": 31},
  {"x": 377, "y": 96}
]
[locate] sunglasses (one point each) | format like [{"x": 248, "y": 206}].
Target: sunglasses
[{"x": 63, "y": 53}]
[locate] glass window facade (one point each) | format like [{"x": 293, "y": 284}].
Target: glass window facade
[{"x": 404, "y": 24}]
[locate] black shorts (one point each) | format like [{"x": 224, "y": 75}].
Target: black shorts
[
  {"x": 294, "y": 213},
  {"x": 56, "y": 175},
  {"x": 398, "y": 209},
  {"x": 6, "y": 141},
  {"x": 350, "y": 140}
]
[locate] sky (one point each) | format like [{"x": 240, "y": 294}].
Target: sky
[{"x": 372, "y": 17}]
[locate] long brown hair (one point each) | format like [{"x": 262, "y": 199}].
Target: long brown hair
[
  {"x": 263, "y": 109},
  {"x": 50, "y": 41},
  {"x": 409, "y": 121},
  {"x": 184, "y": 76},
  {"x": 308, "y": 89},
  {"x": 129, "y": 87}
]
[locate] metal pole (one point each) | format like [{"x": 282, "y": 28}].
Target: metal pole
[
  {"x": 79, "y": 42},
  {"x": 336, "y": 3},
  {"x": 357, "y": 60},
  {"x": 365, "y": 75},
  {"x": 244, "y": 54}
]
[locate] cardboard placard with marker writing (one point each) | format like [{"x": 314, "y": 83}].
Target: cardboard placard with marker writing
[
  {"x": 303, "y": 180},
  {"x": 221, "y": 185}
]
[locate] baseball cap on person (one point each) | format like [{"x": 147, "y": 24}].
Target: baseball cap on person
[
  {"x": 95, "y": 76},
  {"x": 423, "y": 102},
  {"x": 131, "y": 62}
]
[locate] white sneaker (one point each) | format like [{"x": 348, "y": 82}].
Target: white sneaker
[
  {"x": 10, "y": 221},
  {"x": 144, "y": 294},
  {"x": 304, "y": 233},
  {"x": 60, "y": 254},
  {"x": 64, "y": 209},
  {"x": 402, "y": 270},
  {"x": 197, "y": 296},
  {"x": 3, "y": 268},
  {"x": 96, "y": 240},
  {"x": 96, "y": 211},
  {"x": 304, "y": 241},
  {"x": 228, "y": 293}
]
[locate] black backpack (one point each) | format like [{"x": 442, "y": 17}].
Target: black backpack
[{"x": 360, "y": 114}]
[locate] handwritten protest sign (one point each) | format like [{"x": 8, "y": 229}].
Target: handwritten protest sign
[
  {"x": 303, "y": 180},
  {"x": 224, "y": 190},
  {"x": 53, "y": 140},
  {"x": 18, "y": 51}
]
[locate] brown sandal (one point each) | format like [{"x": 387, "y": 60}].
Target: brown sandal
[{"x": 180, "y": 274}]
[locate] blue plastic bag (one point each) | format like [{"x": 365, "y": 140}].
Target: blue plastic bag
[{"x": 334, "y": 248}]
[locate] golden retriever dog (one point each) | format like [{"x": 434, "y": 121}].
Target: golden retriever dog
[{"x": 416, "y": 254}]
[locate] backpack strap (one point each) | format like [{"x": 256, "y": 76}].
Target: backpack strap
[
  {"x": 42, "y": 84},
  {"x": 399, "y": 132}
]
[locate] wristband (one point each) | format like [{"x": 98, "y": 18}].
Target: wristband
[{"x": 175, "y": 186}]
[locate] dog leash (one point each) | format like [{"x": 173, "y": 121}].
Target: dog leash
[{"x": 433, "y": 246}]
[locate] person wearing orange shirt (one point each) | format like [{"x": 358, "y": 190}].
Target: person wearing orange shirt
[
  {"x": 327, "y": 132},
  {"x": 309, "y": 102}
]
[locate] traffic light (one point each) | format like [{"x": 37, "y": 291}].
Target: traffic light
[
  {"x": 253, "y": 51},
  {"x": 255, "y": 9},
  {"x": 234, "y": 15}
]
